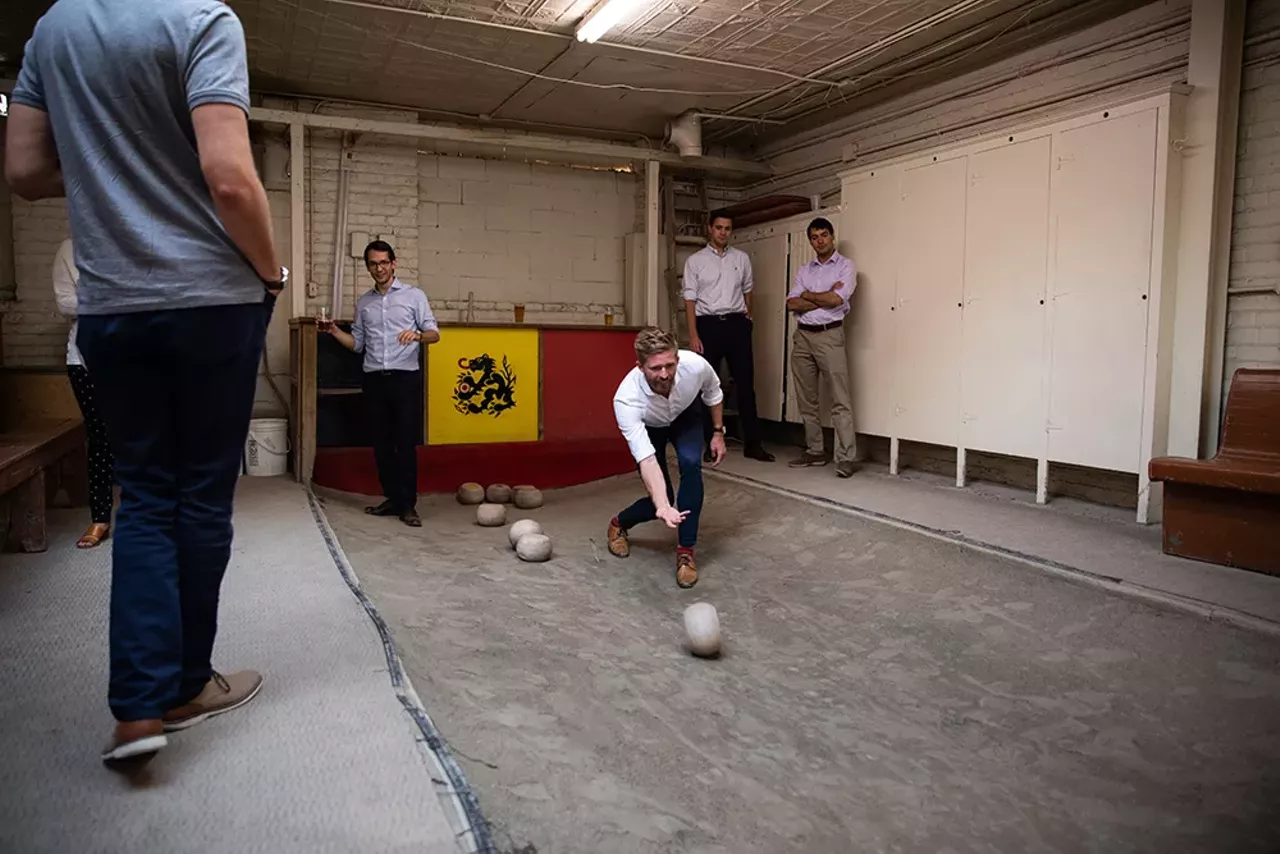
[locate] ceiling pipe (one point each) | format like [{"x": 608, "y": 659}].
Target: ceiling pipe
[
  {"x": 685, "y": 133},
  {"x": 502, "y": 141}
]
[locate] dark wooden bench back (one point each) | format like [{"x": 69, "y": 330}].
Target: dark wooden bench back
[{"x": 1252, "y": 424}]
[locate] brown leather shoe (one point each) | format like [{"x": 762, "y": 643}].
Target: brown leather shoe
[
  {"x": 221, "y": 694},
  {"x": 134, "y": 743},
  {"x": 617, "y": 539},
  {"x": 686, "y": 569}
]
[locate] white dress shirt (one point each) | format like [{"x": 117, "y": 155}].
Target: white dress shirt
[
  {"x": 716, "y": 283},
  {"x": 637, "y": 406},
  {"x": 65, "y": 279},
  {"x": 380, "y": 318}
]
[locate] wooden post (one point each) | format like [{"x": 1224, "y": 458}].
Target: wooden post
[
  {"x": 27, "y": 531},
  {"x": 669, "y": 223},
  {"x": 299, "y": 275},
  {"x": 651, "y": 202}
]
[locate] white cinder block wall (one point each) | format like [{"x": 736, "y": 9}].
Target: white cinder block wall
[
  {"x": 502, "y": 233},
  {"x": 1253, "y": 319}
]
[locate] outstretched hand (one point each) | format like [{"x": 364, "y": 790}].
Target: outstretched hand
[{"x": 672, "y": 516}]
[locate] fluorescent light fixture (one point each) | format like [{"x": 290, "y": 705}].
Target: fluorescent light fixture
[{"x": 605, "y": 17}]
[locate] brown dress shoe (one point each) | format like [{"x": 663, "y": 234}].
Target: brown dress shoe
[
  {"x": 617, "y": 539},
  {"x": 686, "y": 569},
  {"x": 134, "y": 743},
  {"x": 221, "y": 694}
]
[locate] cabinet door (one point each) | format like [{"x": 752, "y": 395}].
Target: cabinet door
[
  {"x": 1006, "y": 259},
  {"x": 1103, "y": 208},
  {"x": 869, "y": 237},
  {"x": 930, "y": 291},
  {"x": 769, "y": 311}
]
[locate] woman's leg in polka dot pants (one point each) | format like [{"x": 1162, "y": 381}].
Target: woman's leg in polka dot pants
[{"x": 102, "y": 465}]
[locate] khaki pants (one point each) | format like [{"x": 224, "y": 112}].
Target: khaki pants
[{"x": 813, "y": 356}]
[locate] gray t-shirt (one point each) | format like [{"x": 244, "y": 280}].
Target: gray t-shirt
[{"x": 119, "y": 81}]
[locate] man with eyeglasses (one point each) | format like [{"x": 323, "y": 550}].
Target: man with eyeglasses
[{"x": 392, "y": 321}]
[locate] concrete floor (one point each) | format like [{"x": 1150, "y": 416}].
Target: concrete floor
[
  {"x": 880, "y": 691},
  {"x": 1103, "y": 545}
]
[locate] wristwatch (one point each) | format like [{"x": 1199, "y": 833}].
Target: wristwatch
[
  {"x": 279, "y": 284},
  {"x": 719, "y": 429}
]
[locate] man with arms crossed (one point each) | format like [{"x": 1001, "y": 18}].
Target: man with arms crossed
[
  {"x": 142, "y": 113},
  {"x": 820, "y": 299},
  {"x": 717, "y": 302},
  {"x": 393, "y": 320},
  {"x": 660, "y": 402}
]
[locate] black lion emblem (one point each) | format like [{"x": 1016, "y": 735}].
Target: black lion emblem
[{"x": 483, "y": 387}]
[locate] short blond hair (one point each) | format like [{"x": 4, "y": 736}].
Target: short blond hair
[{"x": 651, "y": 341}]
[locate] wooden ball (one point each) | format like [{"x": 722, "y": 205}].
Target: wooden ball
[
  {"x": 470, "y": 493},
  {"x": 491, "y": 515},
  {"x": 527, "y": 497},
  {"x": 702, "y": 626},
  {"x": 521, "y": 527},
  {"x": 534, "y": 547},
  {"x": 498, "y": 493}
]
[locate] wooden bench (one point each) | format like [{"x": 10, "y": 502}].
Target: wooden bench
[
  {"x": 35, "y": 460},
  {"x": 1226, "y": 510}
]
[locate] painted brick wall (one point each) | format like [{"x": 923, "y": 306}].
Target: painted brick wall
[
  {"x": 35, "y": 334},
  {"x": 383, "y": 200},
  {"x": 504, "y": 233},
  {"x": 1253, "y": 319}
]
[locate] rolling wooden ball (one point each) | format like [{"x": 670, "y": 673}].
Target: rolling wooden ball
[{"x": 702, "y": 626}]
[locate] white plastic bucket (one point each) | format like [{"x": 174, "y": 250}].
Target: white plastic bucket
[{"x": 266, "y": 450}]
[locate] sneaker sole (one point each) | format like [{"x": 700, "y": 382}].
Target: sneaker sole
[
  {"x": 146, "y": 746},
  {"x": 187, "y": 723}
]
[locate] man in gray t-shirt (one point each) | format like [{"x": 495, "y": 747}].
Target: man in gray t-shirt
[{"x": 137, "y": 113}]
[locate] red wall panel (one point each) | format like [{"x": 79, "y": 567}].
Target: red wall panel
[{"x": 581, "y": 370}]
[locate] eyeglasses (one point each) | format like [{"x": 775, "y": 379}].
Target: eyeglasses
[{"x": 379, "y": 264}]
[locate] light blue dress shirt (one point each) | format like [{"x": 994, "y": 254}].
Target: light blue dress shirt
[{"x": 380, "y": 318}]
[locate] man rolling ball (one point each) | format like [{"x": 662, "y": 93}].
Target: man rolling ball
[{"x": 660, "y": 402}]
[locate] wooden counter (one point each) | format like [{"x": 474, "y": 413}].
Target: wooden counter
[{"x": 489, "y": 389}]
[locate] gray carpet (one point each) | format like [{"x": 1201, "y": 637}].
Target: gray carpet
[{"x": 326, "y": 759}]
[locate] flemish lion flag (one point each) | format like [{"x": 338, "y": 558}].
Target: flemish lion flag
[{"x": 482, "y": 386}]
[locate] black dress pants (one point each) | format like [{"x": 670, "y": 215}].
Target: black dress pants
[
  {"x": 728, "y": 337},
  {"x": 393, "y": 400}
]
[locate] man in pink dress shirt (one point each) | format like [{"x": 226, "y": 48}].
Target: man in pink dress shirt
[{"x": 820, "y": 299}]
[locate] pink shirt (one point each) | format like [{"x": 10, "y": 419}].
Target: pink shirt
[{"x": 817, "y": 277}]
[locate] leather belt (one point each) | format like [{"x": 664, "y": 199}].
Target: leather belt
[
  {"x": 821, "y": 327},
  {"x": 724, "y": 316}
]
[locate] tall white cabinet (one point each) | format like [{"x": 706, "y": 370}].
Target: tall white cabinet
[{"x": 1010, "y": 291}]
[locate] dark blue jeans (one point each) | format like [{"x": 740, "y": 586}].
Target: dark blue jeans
[
  {"x": 685, "y": 433},
  {"x": 175, "y": 389}
]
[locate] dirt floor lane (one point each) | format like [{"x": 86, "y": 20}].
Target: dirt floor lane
[{"x": 879, "y": 691}]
